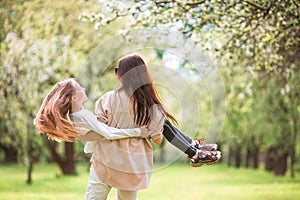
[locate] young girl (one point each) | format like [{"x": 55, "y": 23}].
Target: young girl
[
  {"x": 63, "y": 118},
  {"x": 127, "y": 165}
]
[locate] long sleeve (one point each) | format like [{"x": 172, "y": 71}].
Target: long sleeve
[
  {"x": 101, "y": 108},
  {"x": 115, "y": 109},
  {"x": 157, "y": 122},
  {"x": 86, "y": 121}
]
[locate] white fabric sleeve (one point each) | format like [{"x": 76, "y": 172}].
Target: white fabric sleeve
[
  {"x": 89, "y": 147},
  {"x": 86, "y": 121}
]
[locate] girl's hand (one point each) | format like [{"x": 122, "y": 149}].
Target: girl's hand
[
  {"x": 157, "y": 138},
  {"x": 144, "y": 131}
]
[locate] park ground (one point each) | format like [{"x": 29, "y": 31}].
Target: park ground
[{"x": 174, "y": 182}]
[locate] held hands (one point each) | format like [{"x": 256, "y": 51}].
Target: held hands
[
  {"x": 144, "y": 131},
  {"x": 157, "y": 138}
]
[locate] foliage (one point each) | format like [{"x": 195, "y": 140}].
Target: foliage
[
  {"x": 257, "y": 44},
  {"x": 39, "y": 46},
  {"x": 267, "y": 28}
]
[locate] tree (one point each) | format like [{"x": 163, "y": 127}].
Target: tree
[
  {"x": 263, "y": 36},
  {"x": 42, "y": 42}
]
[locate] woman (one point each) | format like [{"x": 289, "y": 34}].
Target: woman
[
  {"x": 63, "y": 118},
  {"x": 127, "y": 166},
  {"x": 135, "y": 103}
]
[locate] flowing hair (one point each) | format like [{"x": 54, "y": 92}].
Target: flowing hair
[
  {"x": 53, "y": 117},
  {"x": 137, "y": 82}
]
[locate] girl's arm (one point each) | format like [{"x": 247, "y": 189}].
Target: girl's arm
[
  {"x": 157, "y": 138},
  {"x": 86, "y": 121},
  {"x": 91, "y": 136}
]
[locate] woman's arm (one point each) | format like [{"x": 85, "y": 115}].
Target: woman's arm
[{"x": 156, "y": 125}]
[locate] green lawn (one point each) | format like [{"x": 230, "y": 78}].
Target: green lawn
[{"x": 175, "y": 182}]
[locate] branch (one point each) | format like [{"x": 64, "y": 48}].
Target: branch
[
  {"x": 257, "y": 5},
  {"x": 187, "y": 6},
  {"x": 194, "y": 4},
  {"x": 284, "y": 29},
  {"x": 295, "y": 2},
  {"x": 162, "y": 2},
  {"x": 231, "y": 6}
]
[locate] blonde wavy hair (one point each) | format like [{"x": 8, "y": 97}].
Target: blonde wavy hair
[{"x": 53, "y": 116}]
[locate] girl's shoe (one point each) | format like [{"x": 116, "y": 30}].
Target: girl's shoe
[
  {"x": 199, "y": 144},
  {"x": 206, "y": 157}
]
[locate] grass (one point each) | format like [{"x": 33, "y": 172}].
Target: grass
[{"x": 176, "y": 182}]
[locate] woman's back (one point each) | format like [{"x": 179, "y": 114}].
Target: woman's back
[{"x": 126, "y": 164}]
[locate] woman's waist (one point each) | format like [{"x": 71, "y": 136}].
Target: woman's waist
[
  {"x": 127, "y": 163},
  {"x": 126, "y": 147}
]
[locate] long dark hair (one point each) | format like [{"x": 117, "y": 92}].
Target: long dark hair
[{"x": 137, "y": 82}]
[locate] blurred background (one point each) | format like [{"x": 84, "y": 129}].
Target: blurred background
[{"x": 237, "y": 82}]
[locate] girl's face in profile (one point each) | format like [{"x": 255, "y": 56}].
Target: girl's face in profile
[{"x": 80, "y": 94}]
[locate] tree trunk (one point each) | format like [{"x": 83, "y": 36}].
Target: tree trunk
[
  {"x": 281, "y": 165},
  {"x": 29, "y": 172},
  {"x": 276, "y": 161},
  {"x": 256, "y": 158},
  {"x": 293, "y": 159},
  {"x": 270, "y": 159},
  {"x": 67, "y": 164},
  {"x": 248, "y": 158},
  {"x": 230, "y": 152},
  {"x": 55, "y": 156},
  {"x": 10, "y": 154},
  {"x": 33, "y": 153},
  {"x": 237, "y": 156},
  {"x": 294, "y": 96},
  {"x": 294, "y": 137}
]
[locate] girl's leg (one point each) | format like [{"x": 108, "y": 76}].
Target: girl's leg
[
  {"x": 178, "y": 139},
  {"x": 126, "y": 194},
  {"x": 96, "y": 189},
  {"x": 199, "y": 155},
  {"x": 182, "y": 135}
]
